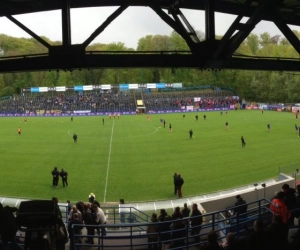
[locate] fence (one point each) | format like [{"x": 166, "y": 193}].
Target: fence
[{"x": 134, "y": 236}]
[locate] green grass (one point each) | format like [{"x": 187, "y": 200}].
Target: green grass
[{"x": 135, "y": 159}]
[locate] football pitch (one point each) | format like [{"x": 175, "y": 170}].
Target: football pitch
[{"x": 135, "y": 159}]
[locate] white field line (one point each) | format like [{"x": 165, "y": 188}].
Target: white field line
[{"x": 108, "y": 161}]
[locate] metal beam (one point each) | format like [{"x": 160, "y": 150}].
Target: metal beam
[
  {"x": 176, "y": 25},
  {"x": 250, "y": 24},
  {"x": 103, "y": 26},
  {"x": 222, "y": 45},
  {"x": 287, "y": 32},
  {"x": 62, "y": 62},
  {"x": 191, "y": 30},
  {"x": 30, "y": 32}
]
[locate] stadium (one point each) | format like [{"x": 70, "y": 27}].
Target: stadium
[
  {"x": 150, "y": 163},
  {"x": 125, "y": 150}
]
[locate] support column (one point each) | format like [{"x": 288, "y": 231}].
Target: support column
[
  {"x": 210, "y": 20},
  {"x": 66, "y": 23}
]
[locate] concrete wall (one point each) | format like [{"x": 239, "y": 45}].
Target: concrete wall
[{"x": 222, "y": 200}]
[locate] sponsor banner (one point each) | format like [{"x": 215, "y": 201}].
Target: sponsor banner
[
  {"x": 60, "y": 89},
  {"x": 151, "y": 86},
  {"x": 133, "y": 86},
  {"x": 251, "y": 107},
  {"x": 106, "y": 86},
  {"x": 279, "y": 109},
  {"x": 78, "y": 88},
  {"x": 88, "y": 87},
  {"x": 295, "y": 109},
  {"x": 43, "y": 89},
  {"x": 160, "y": 85},
  {"x": 177, "y": 85},
  {"x": 189, "y": 108},
  {"x": 197, "y": 99},
  {"x": 123, "y": 86},
  {"x": 34, "y": 89},
  {"x": 142, "y": 86},
  {"x": 96, "y": 87},
  {"x": 81, "y": 111},
  {"x": 169, "y": 85}
]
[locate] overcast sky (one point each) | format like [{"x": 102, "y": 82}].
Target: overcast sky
[{"x": 133, "y": 24}]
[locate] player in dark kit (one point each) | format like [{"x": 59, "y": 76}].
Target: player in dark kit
[
  {"x": 243, "y": 142},
  {"x": 64, "y": 176},
  {"x": 75, "y": 138},
  {"x": 226, "y": 125},
  {"x": 55, "y": 175},
  {"x": 196, "y": 117},
  {"x": 269, "y": 127},
  {"x": 191, "y": 133}
]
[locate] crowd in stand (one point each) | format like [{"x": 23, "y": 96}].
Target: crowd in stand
[
  {"x": 67, "y": 102},
  {"x": 94, "y": 101},
  {"x": 264, "y": 235},
  {"x": 170, "y": 231}
]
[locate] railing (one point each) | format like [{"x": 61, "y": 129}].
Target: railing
[{"x": 133, "y": 235}]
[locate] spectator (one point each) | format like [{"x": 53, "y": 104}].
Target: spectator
[
  {"x": 92, "y": 197},
  {"x": 121, "y": 210},
  {"x": 69, "y": 206},
  {"x": 165, "y": 234},
  {"x": 80, "y": 206},
  {"x": 178, "y": 234},
  {"x": 8, "y": 227},
  {"x": 152, "y": 231},
  {"x": 240, "y": 207},
  {"x": 258, "y": 239},
  {"x": 297, "y": 205},
  {"x": 89, "y": 219},
  {"x": 196, "y": 222},
  {"x": 74, "y": 228},
  {"x": 212, "y": 242},
  {"x": 231, "y": 243},
  {"x": 185, "y": 211},
  {"x": 278, "y": 206},
  {"x": 289, "y": 200},
  {"x": 100, "y": 217},
  {"x": 277, "y": 233},
  {"x": 75, "y": 211},
  {"x": 177, "y": 214},
  {"x": 162, "y": 215}
]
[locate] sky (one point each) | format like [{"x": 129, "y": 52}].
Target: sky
[{"x": 133, "y": 24}]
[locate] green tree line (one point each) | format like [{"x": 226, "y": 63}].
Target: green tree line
[{"x": 263, "y": 86}]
